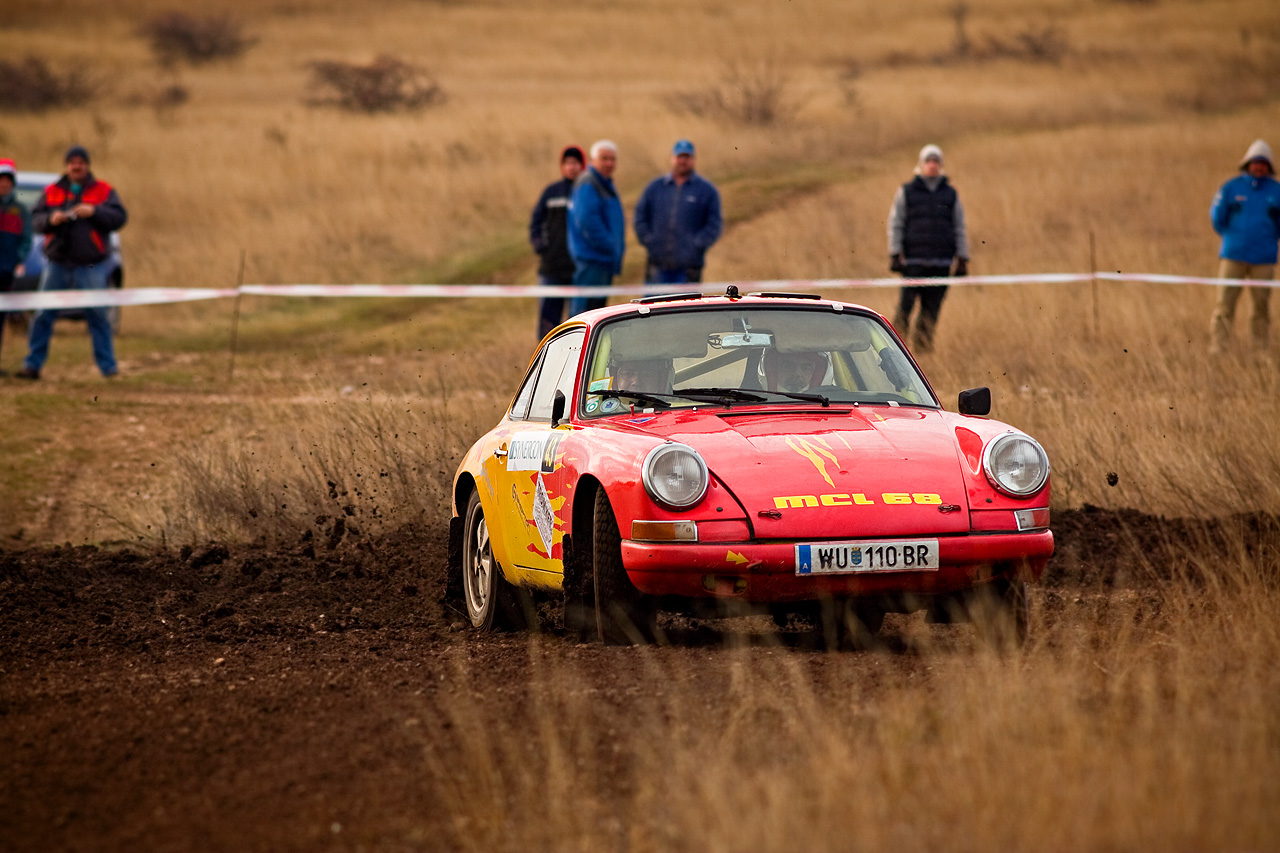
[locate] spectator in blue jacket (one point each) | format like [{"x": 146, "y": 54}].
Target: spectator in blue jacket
[
  {"x": 677, "y": 220},
  {"x": 548, "y": 232},
  {"x": 15, "y": 235},
  {"x": 597, "y": 229},
  {"x": 1246, "y": 212}
]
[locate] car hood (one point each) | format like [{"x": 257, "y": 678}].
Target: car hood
[{"x": 869, "y": 471}]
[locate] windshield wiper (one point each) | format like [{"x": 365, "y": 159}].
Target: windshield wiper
[
  {"x": 655, "y": 399},
  {"x": 736, "y": 394},
  {"x": 808, "y": 398}
]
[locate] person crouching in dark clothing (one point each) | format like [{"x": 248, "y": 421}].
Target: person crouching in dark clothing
[
  {"x": 76, "y": 215},
  {"x": 548, "y": 232},
  {"x": 926, "y": 234}
]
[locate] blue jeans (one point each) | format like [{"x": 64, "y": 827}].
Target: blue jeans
[
  {"x": 590, "y": 275},
  {"x": 62, "y": 277},
  {"x": 682, "y": 275}
]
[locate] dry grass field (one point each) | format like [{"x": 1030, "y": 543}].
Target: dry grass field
[{"x": 1143, "y": 716}]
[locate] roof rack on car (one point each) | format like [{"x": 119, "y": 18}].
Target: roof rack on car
[
  {"x": 785, "y": 294},
  {"x": 666, "y": 297}
]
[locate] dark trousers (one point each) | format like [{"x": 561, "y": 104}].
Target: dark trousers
[
  {"x": 551, "y": 308},
  {"x": 6, "y": 284},
  {"x": 654, "y": 274},
  {"x": 930, "y": 298},
  {"x": 588, "y": 274}
]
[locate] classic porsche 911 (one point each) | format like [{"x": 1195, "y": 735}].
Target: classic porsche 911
[{"x": 767, "y": 452}]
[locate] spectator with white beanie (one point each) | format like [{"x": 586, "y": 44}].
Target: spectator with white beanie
[{"x": 926, "y": 233}]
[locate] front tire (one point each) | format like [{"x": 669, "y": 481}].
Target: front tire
[
  {"x": 624, "y": 615},
  {"x": 491, "y": 602}
]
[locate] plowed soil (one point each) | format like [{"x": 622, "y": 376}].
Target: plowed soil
[{"x": 242, "y": 697}]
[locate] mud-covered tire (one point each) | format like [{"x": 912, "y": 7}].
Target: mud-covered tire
[
  {"x": 492, "y": 604},
  {"x": 624, "y": 616},
  {"x": 849, "y": 625},
  {"x": 1001, "y": 614}
]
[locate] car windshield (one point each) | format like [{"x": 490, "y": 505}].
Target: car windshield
[{"x": 743, "y": 355}]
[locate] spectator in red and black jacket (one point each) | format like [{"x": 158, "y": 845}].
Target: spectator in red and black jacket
[
  {"x": 548, "y": 232},
  {"x": 76, "y": 215},
  {"x": 15, "y": 234}
]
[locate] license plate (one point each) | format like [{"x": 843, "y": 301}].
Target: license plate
[{"x": 898, "y": 555}]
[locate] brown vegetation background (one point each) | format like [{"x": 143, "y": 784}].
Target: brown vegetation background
[{"x": 1143, "y": 716}]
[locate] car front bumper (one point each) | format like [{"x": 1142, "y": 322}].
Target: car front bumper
[{"x": 765, "y": 572}]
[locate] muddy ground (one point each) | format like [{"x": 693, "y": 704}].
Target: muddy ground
[{"x": 240, "y": 698}]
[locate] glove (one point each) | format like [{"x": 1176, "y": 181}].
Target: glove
[
  {"x": 895, "y": 263},
  {"x": 962, "y": 267},
  {"x": 1274, "y": 213}
]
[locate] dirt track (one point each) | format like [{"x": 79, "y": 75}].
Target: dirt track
[{"x": 236, "y": 698}]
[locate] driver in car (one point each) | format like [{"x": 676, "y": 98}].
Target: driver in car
[
  {"x": 795, "y": 372},
  {"x": 648, "y": 376}
]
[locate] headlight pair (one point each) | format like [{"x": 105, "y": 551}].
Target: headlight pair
[
  {"x": 675, "y": 476},
  {"x": 1016, "y": 465}
]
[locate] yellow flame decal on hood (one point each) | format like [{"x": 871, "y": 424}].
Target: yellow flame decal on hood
[{"x": 816, "y": 451}]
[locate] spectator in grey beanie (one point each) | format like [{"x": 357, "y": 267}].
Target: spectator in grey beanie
[{"x": 926, "y": 236}]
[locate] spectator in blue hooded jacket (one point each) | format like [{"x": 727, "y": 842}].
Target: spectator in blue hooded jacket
[
  {"x": 1246, "y": 212},
  {"x": 677, "y": 220},
  {"x": 597, "y": 229}
]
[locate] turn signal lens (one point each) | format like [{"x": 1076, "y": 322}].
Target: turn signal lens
[
  {"x": 664, "y": 531},
  {"x": 1032, "y": 519}
]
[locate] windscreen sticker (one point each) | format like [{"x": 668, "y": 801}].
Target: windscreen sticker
[
  {"x": 543, "y": 515},
  {"x": 601, "y": 384}
]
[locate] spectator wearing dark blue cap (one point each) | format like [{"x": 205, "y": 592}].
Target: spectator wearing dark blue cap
[
  {"x": 677, "y": 219},
  {"x": 76, "y": 215}
]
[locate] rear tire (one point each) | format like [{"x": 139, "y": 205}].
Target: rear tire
[
  {"x": 492, "y": 604},
  {"x": 624, "y": 615}
]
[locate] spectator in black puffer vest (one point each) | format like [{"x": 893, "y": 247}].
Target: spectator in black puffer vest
[
  {"x": 926, "y": 235},
  {"x": 548, "y": 233}
]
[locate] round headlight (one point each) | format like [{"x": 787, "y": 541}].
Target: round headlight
[
  {"x": 675, "y": 476},
  {"x": 1016, "y": 465}
]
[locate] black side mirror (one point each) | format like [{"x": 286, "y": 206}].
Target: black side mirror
[
  {"x": 975, "y": 401},
  {"x": 558, "y": 404}
]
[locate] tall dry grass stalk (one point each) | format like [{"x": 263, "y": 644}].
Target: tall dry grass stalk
[
  {"x": 378, "y": 461},
  {"x": 1134, "y": 722}
]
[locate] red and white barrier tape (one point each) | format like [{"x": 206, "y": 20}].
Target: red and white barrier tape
[{"x": 162, "y": 295}]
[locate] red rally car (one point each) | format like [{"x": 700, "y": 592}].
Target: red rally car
[{"x": 776, "y": 452}]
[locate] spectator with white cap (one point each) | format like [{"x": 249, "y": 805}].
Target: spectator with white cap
[
  {"x": 15, "y": 235},
  {"x": 677, "y": 219},
  {"x": 926, "y": 235},
  {"x": 1246, "y": 213},
  {"x": 597, "y": 227}
]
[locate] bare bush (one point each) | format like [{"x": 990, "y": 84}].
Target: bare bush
[
  {"x": 1044, "y": 44},
  {"x": 383, "y": 85},
  {"x": 31, "y": 85},
  {"x": 747, "y": 94},
  {"x": 1033, "y": 44},
  {"x": 177, "y": 36}
]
